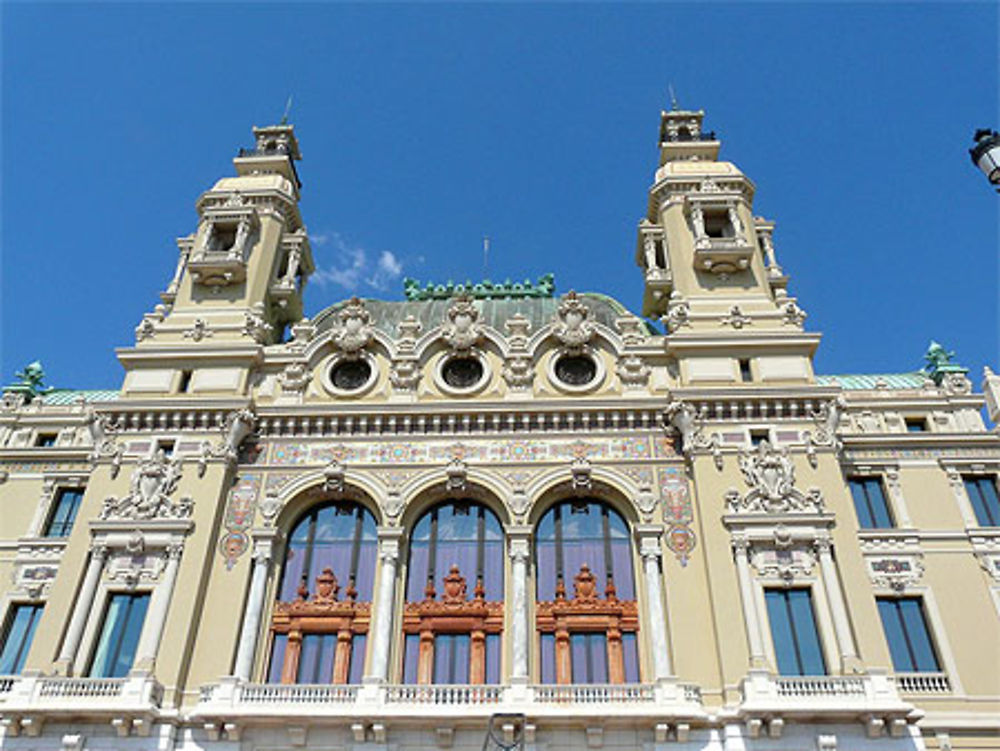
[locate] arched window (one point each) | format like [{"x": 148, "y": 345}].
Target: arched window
[
  {"x": 453, "y": 618},
  {"x": 320, "y": 623},
  {"x": 588, "y": 634}
]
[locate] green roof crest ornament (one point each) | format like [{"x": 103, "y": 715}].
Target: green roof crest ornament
[
  {"x": 939, "y": 363},
  {"x": 484, "y": 290},
  {"x": 30, "y": 384}
]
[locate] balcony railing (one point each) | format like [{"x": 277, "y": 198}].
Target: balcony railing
[
  {"x": 80, "y": 688},
  {"x": 821, "y": 687},
  {"x": 270, "y": 693},
  {"x": 443, "y": 694},
  {"x": 140, "y": 693},
  {"x": 923, "y": 683},
  {"x": 594, "y": 693}
]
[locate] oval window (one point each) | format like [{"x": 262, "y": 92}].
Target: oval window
[
  {"x": 351, "y": 375},
  {"x": 576, "y": 370},
  {"x": 462, "y": 372}
]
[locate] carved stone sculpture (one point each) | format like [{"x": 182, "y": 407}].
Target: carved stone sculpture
[
  {"x": 153, "y": 482},
  {"x": 770, "y": 475},
  {"x": 463, "y": 331},
  {"x": 355, "y": 329},
  {"x": 573, "y": 329}
]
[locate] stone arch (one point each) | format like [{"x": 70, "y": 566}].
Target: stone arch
[
  {"x": 615, "y": 488},
  {"x": 295, "y": 498}
]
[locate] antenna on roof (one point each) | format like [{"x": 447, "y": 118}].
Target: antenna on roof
[
  {"x": 486, "y": 256},
  {"x": 288, "y": 108},
  {"x": 673, "y": 97}
]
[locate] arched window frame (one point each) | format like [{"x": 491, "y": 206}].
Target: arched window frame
[
  {"x": 594, "y": 610},
  {"x": 319, "y": 618},
  {"x": 455, "y": 611}
]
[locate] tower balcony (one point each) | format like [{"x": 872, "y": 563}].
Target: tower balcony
[{"x": 722, "y": 255}]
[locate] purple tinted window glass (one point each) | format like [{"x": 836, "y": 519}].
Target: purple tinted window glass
[
  {"x": 493, "y": 658},
  {"x": 411, "y": 653},
  {"x": 277, "y": 658},
  {"x": 548, "y": 655},
  {"x": 417, "y": 573},
  {"x": 630, "y": 654},
  {"x": 598, "y": 648},
  {"x": 308, "y": 658},
  {"x": 358, "y": 645}
]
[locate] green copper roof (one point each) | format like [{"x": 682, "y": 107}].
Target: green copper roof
[
  {"x": 73, "y": 396},
  {"x": 873, "y": 381},
  {"x": 484, "y": 290},
  {"x": 386, "y": 314}
]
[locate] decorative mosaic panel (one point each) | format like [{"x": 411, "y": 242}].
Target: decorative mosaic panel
[
  {"x": 635, "y": 448},
  {"x": 678, "y": 511},
  {"x": 923, "y": 453},
  {"x": 239, "y": 518}
]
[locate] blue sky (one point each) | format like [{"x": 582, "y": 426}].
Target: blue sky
[{"x": 424, "y": 127}]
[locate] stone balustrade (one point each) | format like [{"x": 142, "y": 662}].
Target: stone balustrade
[{"x": 923, "y": 683}]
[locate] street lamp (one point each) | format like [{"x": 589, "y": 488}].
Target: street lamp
[{"x": 986, "y": 154}]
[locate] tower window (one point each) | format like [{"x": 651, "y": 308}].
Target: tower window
[
  {"x": 45, "y": 440},
  {"x": 717, "y": 223},
  {"x": 745, "y": 374},
  {"x": 915, "y": 425},
  {"x": 185, "y": 382},
  {"x": 759, "y": 435}
]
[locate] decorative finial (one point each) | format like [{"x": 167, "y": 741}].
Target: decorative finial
[
  {"x": 31, "y": 383},
  {"x": 939, "y": 363},
  {"x": 673, "y": 98},
  {"x": 288, "y": 108}
]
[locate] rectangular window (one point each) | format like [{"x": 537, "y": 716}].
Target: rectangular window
[
  {"x": 915, "y": 425},
  {"x": 630, "y": 652},
  {"x": 493, "y": 658},
  {"x": 411, "y": 655},
  {"x": 359, "y": 642},
  {"x": 45, "y": 440},
  {"x": 185, "y": 382},
  {"x": 63, "y": 512},
  {"x": 589, "y": 658},
  {"x": 17, "y": 636},
  {"x": 316, "y": 658},
  {"x": 870, "y": 503},
  {"x": 759, "y": 435},
  {"x": 746, "y": 375},
  {"x": 119, "y": 638},
  {"x": 548, "y": 655},
  {"x": 982, "y": 492},
  {"x": 794, "y": 633},
  {"x": 451, "y": 658},
  {"x": 277, "y": 665},
  {"x": 906, "y": 631}
]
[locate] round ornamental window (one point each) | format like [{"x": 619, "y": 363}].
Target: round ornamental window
[
  {"x": 462, "y": 372},
  {"x": 576, "y": 370},
  {"x": 351, "y": 375}
]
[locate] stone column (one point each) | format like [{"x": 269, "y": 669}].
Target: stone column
[
  {"x": 263, "y": 550},
  {"x": 385, "y": 599},
  {"x": 649, "y": 549},
  {"x": 741, "y": 549},
  {"x": 519, "y": 548},
  {"x": 156, "y": 617},
  {"x": 81, "y": 611},
  {"x": 849, "y": 660}
]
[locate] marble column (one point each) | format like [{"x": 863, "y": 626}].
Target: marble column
[
  {"x": 849, "y": 660},
  {"x": 385, "y": 599},
  {"x": 519, "y": 548},
  {"x": 81, "y": 611},
  {"x": 262, "y": 554},
  {"x": 156, "y": 617},
  {"x": 649, "y": 549},
  {"x": 741, "y": 549}
]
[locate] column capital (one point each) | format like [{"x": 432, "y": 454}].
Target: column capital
[
  {"x": 518, "y": 531},
  {"x": 388, "y": 543},
  {"x": 264, "y": 540},
  {"x": 823, "y": 545},
  {"x": 519, "y": 548},
  {"x": 741, "y": 544}
]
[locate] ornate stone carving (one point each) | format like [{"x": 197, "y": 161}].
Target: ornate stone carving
[
  {"x": 573, "y": 328},
  {"x": 294, "y": 378},
  {"x": 102, "y": 432},
  {"x": 632, "y": 370},
  {"x": 585, "y": 585},
  {"x": 678, "y": 315},
  {"x": 153, "y": 482},
  {"x": 785, "y": 562},
  {"x": 255, "y": 325},
  {"x": 355, "y": 330},
  {"x": 770, "y": 475},
  {"x": 581, "y": 469},
  {"x": 238, "y": 425},
  {"x": 455, "y": 589},
  {"x": 736, "y": 318},
  {"x": 684, "y": 420},
  {"x": 517, "y": 368},
  {"x": 458, "y": 473},
  {"x": 405, "y": 373},
  {"x": 793, "y": 315},
  {"x": 896, "y": 572},
  {"x": 199, "y": 330},
  {"x": 333, "y": 477},
  {"x": 302, "y": 334},
  {"x": 463, "y": 331}
]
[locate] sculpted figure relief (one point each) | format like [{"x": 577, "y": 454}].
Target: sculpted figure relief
[
  {"x": 574, "y": 330},
  {"x": 355, "y": 329},
  {"x": 770, "y": 475},
  {"x": 463, "y": 331},
  {"x": 153, "y": 482}
]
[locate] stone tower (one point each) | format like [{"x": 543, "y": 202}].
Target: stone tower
[
  {"x": 239, "y": 279},
  {"x": 711, "y": 273}
]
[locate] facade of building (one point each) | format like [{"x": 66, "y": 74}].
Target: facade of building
[{"x": 493, "y": 516}]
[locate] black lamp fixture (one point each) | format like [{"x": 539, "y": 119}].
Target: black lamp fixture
[{"x": 986, "y": 154}]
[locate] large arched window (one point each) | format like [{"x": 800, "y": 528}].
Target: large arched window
[
  {"x": 453, "y": 618},
  {"x": 586, "y": 611},
  {"x": 320, "y": 623}
]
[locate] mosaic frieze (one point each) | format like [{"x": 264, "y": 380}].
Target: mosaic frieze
[{"x": 634, "y": 448}]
